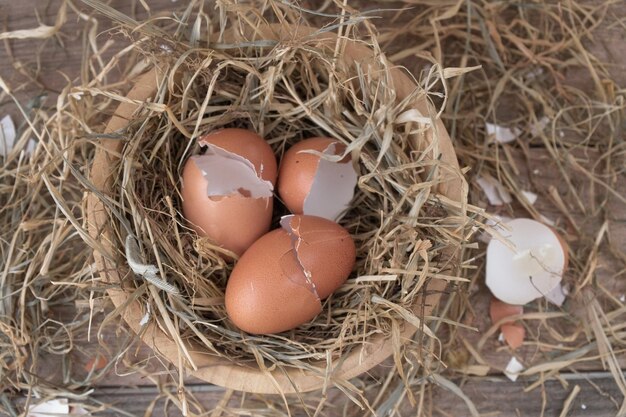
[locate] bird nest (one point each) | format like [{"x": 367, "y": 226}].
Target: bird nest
[{"x": 287, "y": 82}]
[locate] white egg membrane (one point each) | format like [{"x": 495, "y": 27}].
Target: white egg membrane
[
  {"x": 332, "y": 188},
  {"x": 532, "y": 269},
  {"x": 287, "y": 223},
  {"x": 227, "y": 174},
  {"x": 557, "y": 295}
]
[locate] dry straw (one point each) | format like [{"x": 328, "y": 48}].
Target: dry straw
[
  {"x": 524, "y": 50},
  {"x": 542, "y": 76},
  {"x": 407, "y": 218}
]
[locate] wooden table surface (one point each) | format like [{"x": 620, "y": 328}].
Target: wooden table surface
[{"x": 492, "y": 394}]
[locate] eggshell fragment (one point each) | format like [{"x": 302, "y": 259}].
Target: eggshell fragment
[
  {"x": 496, "y": 193},
  {"x": 280, "y": 280},
  {"x": 499, "y": 310},
  {"x": 557, "y": 296},
  {"x": 230, "y": 174},
  {"x": 513, "y": 334},
  {"x": 513, "y": 369},
  {"x": 7, "y": 135},
  {"x": 529, "y": 269},
  {"x": 530, "y": 197},
  {"x": 248, "y": 145},
  {"x": 501, "y": 134},
  {"x": 309, "y": 184},
  {"x": 228, "y": 192},
  {"x": 54, "y": 407}
]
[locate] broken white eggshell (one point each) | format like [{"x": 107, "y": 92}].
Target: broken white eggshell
[
  {"x": 529, "y": 266},
  {"x": 558, "y": 295},
  {"x": 513, "y": 369},
  {"x": 227, "y": 173},
  {"x": 310, "y": 184},
  {"x": 332, "y": 189},
  {"x": 54, "y": 407},
  {"x": 529, "y": 196},
  {"x": 503, "y": 134},
  {"x": 496, "y": 193},
  {"x": 7, "y": 135}
]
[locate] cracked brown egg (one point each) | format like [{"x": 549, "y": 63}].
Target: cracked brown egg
[
  {"x": 227, "y": 191},
  {"x": 280, "y": 281},
  {"x": 310, "y": 184}
]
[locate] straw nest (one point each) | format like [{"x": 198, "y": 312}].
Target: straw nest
[{"x": 404, "y": 231}]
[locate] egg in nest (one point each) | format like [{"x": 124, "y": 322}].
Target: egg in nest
[{"x": 227, "y": 192}]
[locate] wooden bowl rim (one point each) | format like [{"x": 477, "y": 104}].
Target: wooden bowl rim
[{"x": 220, "y": 371}]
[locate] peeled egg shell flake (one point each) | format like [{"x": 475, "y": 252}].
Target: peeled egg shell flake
[
  {"x": 332, "y": 189},
  {"x": 228, "y": 173},
  {"x": 248, "y": 145},
  {"x": 513, "y": 335},
  {"x": 316, "y": 179},
  {"x": 531, "y": 269}
]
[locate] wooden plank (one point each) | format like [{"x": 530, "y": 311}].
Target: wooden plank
[
  {"x": 134, "y": 393},
  {"x": 597, "y": 396}
]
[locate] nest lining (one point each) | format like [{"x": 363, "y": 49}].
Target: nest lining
[{"x": 285, "y": 93}]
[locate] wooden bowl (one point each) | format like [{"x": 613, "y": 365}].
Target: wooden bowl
[{"x": 220, "y": 371}]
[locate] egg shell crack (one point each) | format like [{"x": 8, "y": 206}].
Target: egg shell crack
[{"x": 286, "y": 222}]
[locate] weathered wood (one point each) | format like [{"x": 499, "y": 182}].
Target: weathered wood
[
  {"x": 536, "y": 172},
  {"x": 499, "y": 396},
  {"x": 598, "y": 396}
]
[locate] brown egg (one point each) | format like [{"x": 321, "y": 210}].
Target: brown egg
[
  {"x": 228, "y": 192},
  {"x": 280, "y": 280},
  {"x": 308, "y": 184}
]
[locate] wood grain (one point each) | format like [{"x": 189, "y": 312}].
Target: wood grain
[{"x": 597, "y": 397}]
